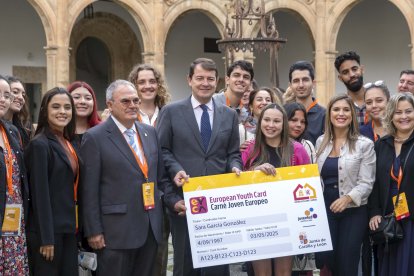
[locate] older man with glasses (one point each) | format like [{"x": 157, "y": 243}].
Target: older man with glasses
[{"x": 120, "y": 197}]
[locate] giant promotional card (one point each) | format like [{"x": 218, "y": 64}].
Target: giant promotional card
[{"x": 256, "y": 216}]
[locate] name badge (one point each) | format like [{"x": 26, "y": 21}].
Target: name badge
[
  {"x": 148, "y": 195},
  {"x": 12, "y": 220},
  {"x": 401, "y": 211}
]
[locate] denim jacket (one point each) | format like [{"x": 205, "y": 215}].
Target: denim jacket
[{"x": 356, "y": 169}]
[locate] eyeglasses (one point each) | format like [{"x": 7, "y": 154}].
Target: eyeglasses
[
  {"x": 6, "y": 95},
  {"x": 378, "y": 83},
  {"x": 127, "y": 102}
]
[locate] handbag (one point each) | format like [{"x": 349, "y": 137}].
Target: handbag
[
  {"x": 305, "y": 262},
  {"x": 389, "y": 229}
]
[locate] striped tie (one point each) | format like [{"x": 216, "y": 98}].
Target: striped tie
[{"x": 131, "y": 141}]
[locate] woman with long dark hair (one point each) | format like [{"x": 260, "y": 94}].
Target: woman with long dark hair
[
  {"x": 14, "y": 194},
  {"x": 18, "y": 113},
  {"x": 53, "y": 169},
  {"x": 298, "y": 123},
  {"x": 272, "y": 149}
]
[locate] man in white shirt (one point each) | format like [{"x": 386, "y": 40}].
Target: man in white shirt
[{"x": 198, "y": 137}]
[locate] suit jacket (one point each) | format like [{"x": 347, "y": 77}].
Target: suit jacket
[
  {"x": 12, "y": 134},
  {"x": 51, "y": 181},
  {"x": 111, "y": 187},
  {"x": 182, "y": 149},
  {"x": 380, "y": 202}
]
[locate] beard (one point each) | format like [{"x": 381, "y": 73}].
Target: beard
[{"x": 355, "y": 86}]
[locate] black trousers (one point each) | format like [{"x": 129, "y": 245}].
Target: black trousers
[
  {"x": 183, "y": 263},
  {"x": 128, "y": 262},
  {"x": 65, "y": 260},
  {"x": 347, "y": 233}
]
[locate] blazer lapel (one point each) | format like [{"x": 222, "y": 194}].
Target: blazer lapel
[
  {"x": 58, "y": 148},
  {"x": 118, "y": 139},
  {"x": 188, "y": 114}
]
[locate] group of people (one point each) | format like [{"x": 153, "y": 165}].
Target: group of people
[{"x": 114, "y": 185}]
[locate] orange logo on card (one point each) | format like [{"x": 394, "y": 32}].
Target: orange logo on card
[{"x": 198, "y": 205}]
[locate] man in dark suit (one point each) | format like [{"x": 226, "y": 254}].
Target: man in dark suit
[
  {"x": 121, "y": 173},
  {"x": 198, "y": 137}
]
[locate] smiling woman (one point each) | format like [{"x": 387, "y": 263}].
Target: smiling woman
[
  {"x": 18, "y": 112},
  {"x": 86, "y": 108},
  {"x": 53, "y": 172},
  {"x": 273, "y": 149},
  {"x": 346, "y": 162},
  {"x": 14, "y": 194},
  {"x": 395, "y": 172}
]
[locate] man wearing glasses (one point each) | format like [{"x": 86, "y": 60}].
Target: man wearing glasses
[{"x": 119, "y": 190}]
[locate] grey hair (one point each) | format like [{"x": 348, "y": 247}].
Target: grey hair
[
  {"x": 114, "y": 86},
  {"x": 392, "y": 106}
]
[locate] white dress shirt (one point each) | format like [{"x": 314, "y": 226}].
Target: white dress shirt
[{"x": 198, "y": 111}]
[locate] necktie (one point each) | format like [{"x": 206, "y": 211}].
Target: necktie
[
  {"x": 205, "y": 127},
  {"x": 131, "y": 141}
]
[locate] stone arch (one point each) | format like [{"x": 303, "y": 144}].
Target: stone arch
[
  {"x": 302, "y": 11},
  {"x": 211, "y": 8},
  {"x": 110, "y": 29},
  {"x": 46, "y": 13},
  {"x": 337, "y": 15},
  {"x": 135, "y": 8},
  {"x": 406, "y": 9}
]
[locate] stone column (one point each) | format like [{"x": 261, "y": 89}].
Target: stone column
[
  {"x": 322, "y": 90},
  {"x": 57, "y": 52},
  {"x": 51, "y": 53},
  {"x": 156, "y": 55}
]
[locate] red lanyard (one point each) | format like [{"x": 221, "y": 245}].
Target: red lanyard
[
  {"x": 142, "y": 165},
  {"x": 311, "y": 105},
  {"x": 74, "y": 155},
  {"x": 8, "y": 158},
  {"x": 373, "y": 131},
  {"x": 399, "y": 178}
]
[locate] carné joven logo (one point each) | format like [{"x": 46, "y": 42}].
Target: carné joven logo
[
  {"x": 198, "y": 205},
  {"x": 304, "y": 193}
]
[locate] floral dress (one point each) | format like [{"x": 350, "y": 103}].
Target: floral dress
[{"x": 13, "y": 249}]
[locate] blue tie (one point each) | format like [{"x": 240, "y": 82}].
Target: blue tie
[{"x": 205, "y": 127}]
